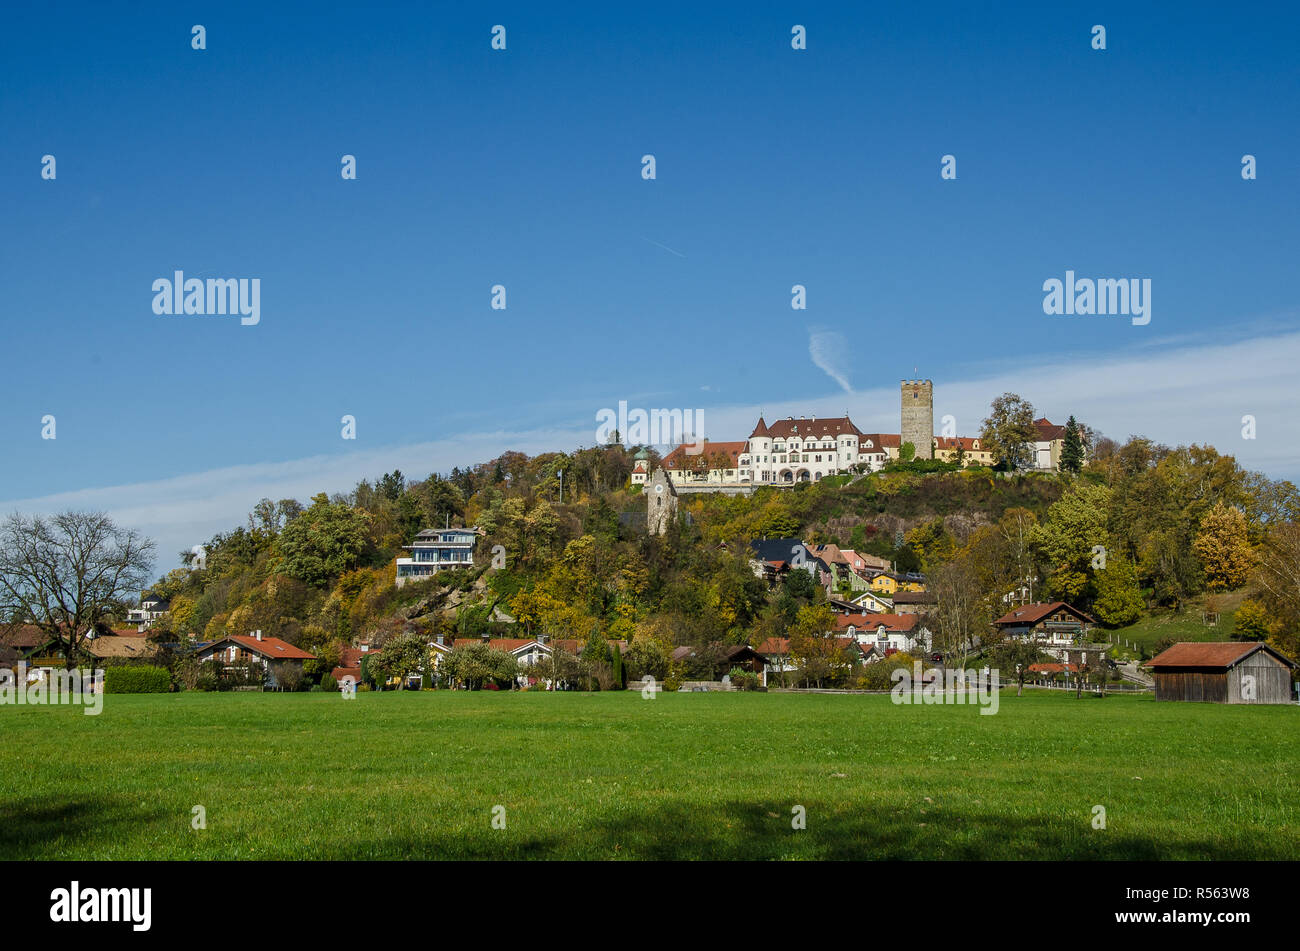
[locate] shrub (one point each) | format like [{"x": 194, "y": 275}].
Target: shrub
[
  {"x": 142, "y": 679},
  {"x": 744, "y": 679},
  {"x": 288, "y": 675},
  {"x": 328, "y": 683}
]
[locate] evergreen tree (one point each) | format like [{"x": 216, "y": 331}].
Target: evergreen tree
[{"x": 1072, "y": 449}]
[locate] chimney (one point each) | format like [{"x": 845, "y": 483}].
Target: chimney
[
  {"x": 487, "y": 636},
  {"x": 259, "y": 635},
  {"x": 441, "y": 640}
]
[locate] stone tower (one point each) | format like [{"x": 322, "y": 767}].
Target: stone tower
[
  {"x": 661, "y": 503},
  {"x": 918, "y": 417}
]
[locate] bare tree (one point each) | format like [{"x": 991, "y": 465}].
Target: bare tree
[
  {"x": 64, "y": 574},
  {"x": 960, "y": 613}
]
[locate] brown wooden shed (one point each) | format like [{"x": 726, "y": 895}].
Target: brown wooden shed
[{"x": 1231, "y": 672}]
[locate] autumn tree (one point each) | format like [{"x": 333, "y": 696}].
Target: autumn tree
[
  {"x": 1068, "y": 538},
  {"x": 323, "y": 542},
  {"x": 1118, "y": 599},
  {"x": 1278, "y": 579},
  {"x": 813, "y": 648},
  {"x": 1223, "y": 545},
  {"x": 1009, "y": 431}
]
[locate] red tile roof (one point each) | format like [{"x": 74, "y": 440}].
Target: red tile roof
[
  {"x": 23, "y": 636},
  {"x": 968, "y": 443},
  {"x": 351, "y": 657},
  {"x": 338, "y": 673},
  {"x": 880, "y": 441},
  {"x": 1033, "y": 613},
  {"x": 1218, "y": 655},
  {"x": 892, "y": 622},
  {"x": 683, "y": 458},
  {"x": 823, "y": 428},
  {"x": 269, "y": 647},
  {"x": 1047, "y": 431},
  {"x": 1051, "y": 668}
]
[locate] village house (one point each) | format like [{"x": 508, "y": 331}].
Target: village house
[
  {"x": 966, "y": 449},
  {"x": 871, "y": 603},
  {"x": 889, "y": 583},
  {"x": 1047, "y": 447},
  {"x": 1051, "y": 624},
  {"x": 1226, "y": 672},
  {"x": 851, "y": 572},
  {"x": 255, "y": 652},
  {"x": 914, "y": 602},
  {"x": 706, "y": 463},
  {"x": 729, "y": 656},
  {"x": 435, "y": 550},
  {"x": 886, "y": 632},
  {"x": 773, "y": 558}
]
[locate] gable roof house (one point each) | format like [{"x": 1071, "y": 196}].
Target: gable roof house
[
  {"x": 1051, "y": 622},
  {"x": 773, "y": 558},
  {"x": 1229, "y": 672},
  {"x": 254, "y": 650},
  {"x": 707, "y": 463},
  {"x": 886, "y": 632}
]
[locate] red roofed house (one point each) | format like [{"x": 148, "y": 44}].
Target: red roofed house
[
  {"x": 1053, "y": 623},
  {"x": 254, "y": 650},
  {"x": 900, "y": 632},
  {"x": 706, "y": 463},
  {"x": 1048, "y": 445},
  {"x": 1228, "y": 672}
]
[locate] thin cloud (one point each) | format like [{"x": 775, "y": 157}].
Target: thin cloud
[
  {"x": 664, "y": 246},
  {"x": 829, "y": 351}
]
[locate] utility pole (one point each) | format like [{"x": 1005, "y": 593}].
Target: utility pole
[{"x": 561, "y": 486}]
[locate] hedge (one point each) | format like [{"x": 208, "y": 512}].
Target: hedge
[{"x": 143, "y": 679}]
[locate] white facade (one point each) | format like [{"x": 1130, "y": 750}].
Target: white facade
[{"x": 434, "y": 550}]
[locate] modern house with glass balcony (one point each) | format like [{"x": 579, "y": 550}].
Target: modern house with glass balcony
[{"x": 435, "y": 550}]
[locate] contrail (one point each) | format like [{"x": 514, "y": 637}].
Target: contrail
[{"x": 664, "y": 246}]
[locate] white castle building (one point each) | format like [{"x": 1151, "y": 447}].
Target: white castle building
[
  {"x": 786, "y": 451},
  {"x": 810, "y": 448}
]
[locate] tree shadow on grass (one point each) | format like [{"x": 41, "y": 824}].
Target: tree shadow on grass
[
  {"x": 748, "y": 831},
  {"x": 41, "y": 827}
]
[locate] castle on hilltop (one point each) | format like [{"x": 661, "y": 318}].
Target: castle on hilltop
[{"x": 808, "y": 449}]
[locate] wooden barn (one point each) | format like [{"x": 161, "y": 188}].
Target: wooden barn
[{"x": 1232, "y": 672}]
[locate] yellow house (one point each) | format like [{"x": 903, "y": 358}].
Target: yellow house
[
  {"x": 890, "y": 582},
  {"x": 946, "y": 448}
]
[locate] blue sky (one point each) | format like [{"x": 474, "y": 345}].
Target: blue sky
[{"x": 522, "y": 167}]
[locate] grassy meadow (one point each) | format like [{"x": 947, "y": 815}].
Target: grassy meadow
[{"x": 614, "y": 776}]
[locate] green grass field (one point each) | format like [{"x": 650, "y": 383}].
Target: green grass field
[{"x": 604, "y": 776}]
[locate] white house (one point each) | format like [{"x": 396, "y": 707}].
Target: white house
[{"x": 437, "y": 549}]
